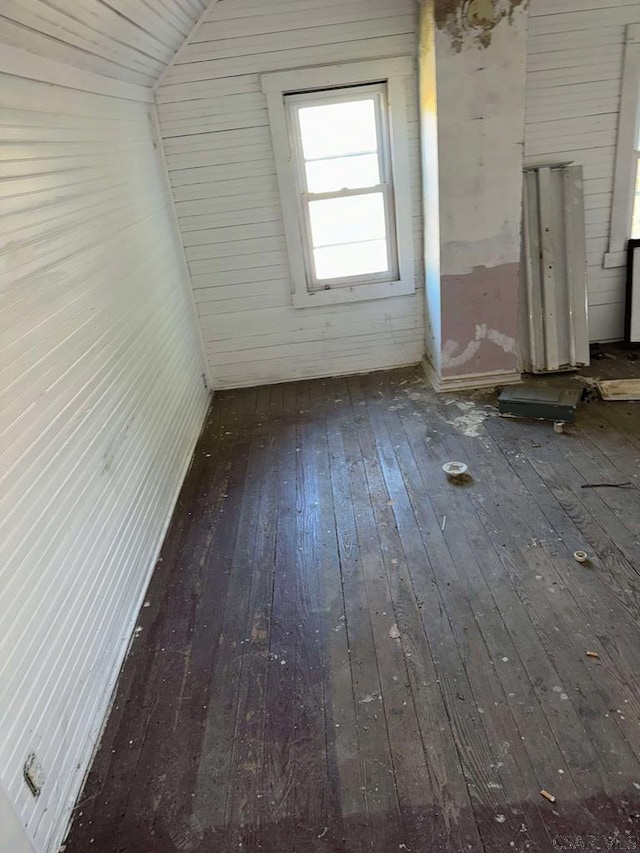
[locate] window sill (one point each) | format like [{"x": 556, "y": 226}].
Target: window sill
[
  {"x": 612, "y": 260},
  {"x": 355, "y": 293}
]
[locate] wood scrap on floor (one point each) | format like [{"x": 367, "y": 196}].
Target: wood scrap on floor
[
  {"x": 619, "y": 389},
  {"x": 623, "y": 485}
]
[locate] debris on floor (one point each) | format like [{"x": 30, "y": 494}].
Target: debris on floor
[
  {"x": 600, "y": 352},
  {"x": 619, "y": 389},
  {"x": 547, "y": 796},
  {"x": 455, "y": 469},
  {"x": 590, "y": 391},
  {"x": 471, "y": 418},
  {"x": 593, "y": 655},
  {"x": 580, "y": 556},
  {"x": 607, "y": 485},
  {"x": 540, "y": 402},
  {"x": 370, "y": 697},
  {"x": 394, "y": 633}
]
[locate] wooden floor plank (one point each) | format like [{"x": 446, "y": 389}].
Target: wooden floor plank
[
  {"x": 315, "y": 790},
  {"x": 604, "y": 584},
  {"x": 378, "y": 791},
  {"x": 343, "y": 759},
  {"x": 341, "y": 650},
  {"x": 522, "y": 665},
  {"x": 386, "y": 782},
  {"x": 245, "y": 812},
  {"x": 503, "y": 692},
  {"x": 508, "y": 514},
  {"x": 597, "y": 765},
  {"x": 413, "y": 775},
  {"x": 281, "y": 716},
  {"x": 583, "y": 596},
  {"x": 464, "y": 664},
  {"x": 169, "y": 743}
]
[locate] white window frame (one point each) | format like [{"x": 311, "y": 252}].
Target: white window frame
[
  {"x": 626, "y": 165},
  {"x": 276, "y": 86},
  {"x": 341, "y": 94}
]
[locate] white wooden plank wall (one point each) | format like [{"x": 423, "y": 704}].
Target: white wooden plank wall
[
  {"x": 130, "y": 40},
  {"x": 575, "y": 50},
  {"x": 214, "y": 123},
  {"x": 102, "y": 400}
]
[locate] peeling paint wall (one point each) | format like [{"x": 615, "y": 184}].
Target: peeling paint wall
[
  {"x": 479, "y": 324},
  {"x": 480, "y": 65},
  {"x": 472, "y": 22}
]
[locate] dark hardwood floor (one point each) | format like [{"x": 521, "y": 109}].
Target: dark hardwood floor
[{"x": 342, "y": 651}]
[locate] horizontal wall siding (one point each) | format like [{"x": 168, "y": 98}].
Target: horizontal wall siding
[
  {"x": 574, "y": 69},
  {"x": 217, "y": 142},
  {"x": 102, "y": 398},
  {"x": 130, "y": 40}
]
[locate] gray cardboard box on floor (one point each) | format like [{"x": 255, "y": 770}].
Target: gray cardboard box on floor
[{"x": 540, "y": 402}]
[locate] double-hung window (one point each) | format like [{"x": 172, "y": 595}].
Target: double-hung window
[
  {"x": 341, "y": 153},
  {"x": 344, "y": 184}
]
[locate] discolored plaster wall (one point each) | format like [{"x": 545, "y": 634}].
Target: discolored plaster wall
[
  {"x": 480, "y": 322},
  {"x": 469, "y": 21},
  {"x": 480, "y": 64}
]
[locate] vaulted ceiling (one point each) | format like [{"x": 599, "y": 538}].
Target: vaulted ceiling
[{"x": 130, "y": 40}]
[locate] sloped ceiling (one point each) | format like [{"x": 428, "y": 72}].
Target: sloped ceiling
[{"x": 130, "y": 40}]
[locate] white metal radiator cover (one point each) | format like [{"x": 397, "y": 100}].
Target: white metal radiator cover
[{"x": 554, "y": 330}]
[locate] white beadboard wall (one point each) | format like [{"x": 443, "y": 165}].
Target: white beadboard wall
[
  {"x": 102, "y": 399},
  {"x": 130, "y": 40},
  {"x": 574, "y": 70},
  {"x": 217, "y": 142}
]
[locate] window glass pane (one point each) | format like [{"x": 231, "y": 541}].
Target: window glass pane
[
  {"x": 352, "y": 259},
  {"x": 347, "y": 220},
  {"x": 324, "y": 176},
  {"x": 333, "y": 130}
]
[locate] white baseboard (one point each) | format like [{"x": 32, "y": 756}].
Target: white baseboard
[
  {"x": 320, "y": 373},
  {"x": 469, "y": 381}
]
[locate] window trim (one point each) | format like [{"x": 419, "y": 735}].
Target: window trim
[
  {"x": 276, "y": 85},
  {"x": 626, "y": 162}
]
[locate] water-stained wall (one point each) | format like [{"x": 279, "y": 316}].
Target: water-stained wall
[{"x": 473, "y": 21}]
